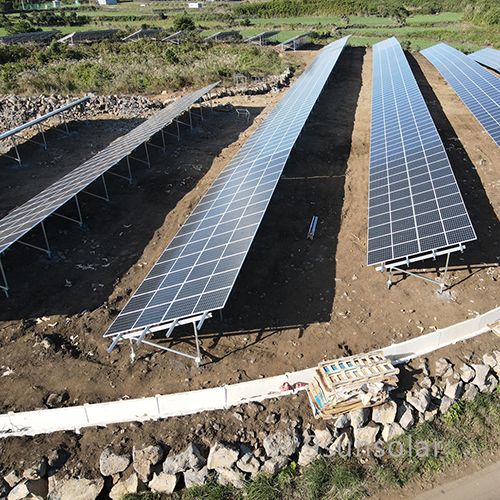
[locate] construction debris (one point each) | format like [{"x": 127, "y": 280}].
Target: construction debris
[{"x": 347, "y": 384}]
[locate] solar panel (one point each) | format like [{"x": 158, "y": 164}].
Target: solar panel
[
  {"x": 88, "y": 36},
  {"x": 196, "y": 272},
  {"x": 36, "y": 36},
  {"x": 487, "y": 57},
  {"x": 222, "y": 35},
  {"x": 294, "y": 42},
  {"x": 415, "y": 206},
  {"x": 261, "y": 38},
  {"x": 476, "y": 86},
  {"x": 147, "y": 33},
  {"x": 24, "y": 218}
]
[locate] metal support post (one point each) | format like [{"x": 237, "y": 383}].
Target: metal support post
[
  {"x": 190, "y": 118},
  {"x": 147, "y": 153},
  {"x": 141, "y": 337},
  {"x": 178, "y": 130},
  {"x": 197, "y": 359},
  {"x": 80, "y": 218},
  {"x": 132, "y": 352},
  {"x": 65, "y": 122},
  {"x": 40, "y": 129},
  {"x": 46, "y": 239},
  {"x": 115, "y": 341},
  {"x": 163, "y": 141},
  {"x": 443, "y": 284},
  {"x": 105, "y": 188},
  {"x": 12, "y": 138},
  {"x": 5, "y": 286}
]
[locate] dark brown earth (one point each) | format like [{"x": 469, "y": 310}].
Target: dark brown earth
[{"x": 296, "y": 301}]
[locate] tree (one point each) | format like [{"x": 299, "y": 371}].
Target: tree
[
  {"x": 184, "y": 22},
  {"x": 21, "y": 26}
]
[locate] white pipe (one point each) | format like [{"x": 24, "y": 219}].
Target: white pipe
[{"x": 185, "y": 403}]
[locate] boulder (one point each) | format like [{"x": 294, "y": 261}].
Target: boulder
[
  {"x": 230, "y": 476},
  {"x": 436, "y": 392},
  {"x": 77, "y": 489},
  {"x": 391, "y": 431},
  {"x": 196, "y": 477},
  {"x": 37, "y": 488},
  {"x": 343, "y": 421},
  {"x": 342, "y": 443},
  {"x": 37, "y": 471},
  {"x": 111, "y": 464},
  {"x": 366, "y": 435},
  {"x": 281, "y": 443},
  {"x": 309, "y": 450},
  {"x": 444, "y": 368},
  {"x": 163, "y": 483},
  {"x": 404, "y": 415},
  {"x": 248, "y": 463},
  {"x": 490, "y": 360},
  {"x": 430, "y": 415},
  {"x": 145, "y": 459},
  {"x": 423, "y": 366},
  {"x": 12, "y": 478},
  {"x": 420, "y": 400},
  {"x": 491, "y": 383},
  {"x": 275, "y": 465},
  {"x": 360, "y": 417},
  {"x": 425, "y": 383},
  {"x": 222, "y": 456},
  {"x": 132, "y": 486},
  {"x": 470, "y": 392},
  {"x": 453, "y": 391},
  {"x": 480, "y": 378},
  {"x": 190, "y": 458},
  {"x": 386, "y": 413},
  {"x": 324, "y": 438},
  {"x": 468, "y": 373},
  {"x": 446, "y": 404}
]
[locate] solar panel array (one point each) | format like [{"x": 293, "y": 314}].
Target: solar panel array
[
  {"x": 141, "y": 34},
  {"x": 415, "y": 206},
  {"x": 222, "y": 35},
  {"x": 476, "y": 86},
  {"x": 36, "y": 36},
  {"x": 261, "y": 38},
  {"x": 21, "y": 220},
  {"x": 88, "y": 36},
  {"x": 488, "y": 57},
  {"x": 294, "y": 42},
  {"x": 196, "y": 272}
]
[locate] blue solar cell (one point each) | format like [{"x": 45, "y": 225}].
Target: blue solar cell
[
  {"x": 476, "y": 86},
  {"x": 408, "y": 160},
  {"x": 216, "y": 237}
]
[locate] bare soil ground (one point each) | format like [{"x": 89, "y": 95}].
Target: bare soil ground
[{"x": 296, "y": 301}]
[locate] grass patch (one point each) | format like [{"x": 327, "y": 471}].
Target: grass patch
[{"x": 445, "y": 17}]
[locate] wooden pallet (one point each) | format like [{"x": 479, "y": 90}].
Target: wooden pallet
[
  {"x": 346, "y": 384},
  {"x": 495, "y": 327}
]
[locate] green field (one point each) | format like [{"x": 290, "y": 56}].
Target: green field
[
  {"x": 312, "y": 21},
  {"x": 450, "y": 17}
]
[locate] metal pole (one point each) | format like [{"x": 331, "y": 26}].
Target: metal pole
[
  {"x": 190, "y": 118},
  {"x": 178, "y": 130},
  {"x": 445, "y": 273},
  {"x": 163, "y": 140},
  {"x": 15, "y": 147},
  {"x": 105, "y": 187},
  {"x": 6, "y": 285},
  {"x": 65, "y": 123},
  {"x": 40, "y": 128},
  {"x": 79, "y": 211},
  {"x": 147, "y": 153},
  {"x": 46, "y": 239},
  {"x": 129, "y": 170},
  {"x": 198, "y": 359}
]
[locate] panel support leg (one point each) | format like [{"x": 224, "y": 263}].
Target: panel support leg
[
  {"x": 147, "y": 154},
  {"x": 40, "y": 129},
  {"x": 5, "y": 286},
  {"x": 105, "y": 188},
  {"x": 443, "y": 284},
  {"x": 163, "y": 141},
  {"x": 18, "y": 157},
  {"x": 198, "y": 358}
]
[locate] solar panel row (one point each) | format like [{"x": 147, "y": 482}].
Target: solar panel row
[
  {"x": 415, "y": 205},
  {"x": 488, "y": 57},
  {"x": 21, "y": 220},
  {"x": 196, "y": 273},
  {"x": 476, "y": 86}
]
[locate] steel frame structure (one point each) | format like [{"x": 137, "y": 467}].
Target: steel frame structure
[
  {"x": 262, "y": 38},
  {"x": 37, "y": 36},
  {"x": 295, "y": 42},
  {"x": 34, "y": 212},
  {"x": 37, "y": 122}
]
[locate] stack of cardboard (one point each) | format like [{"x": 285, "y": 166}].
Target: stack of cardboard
[{"x": 347, "y": 384}]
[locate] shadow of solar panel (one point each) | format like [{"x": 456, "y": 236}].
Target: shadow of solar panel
[
  {"x": 229, "y": 214},
  {"x": 411, "y": 181}
]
